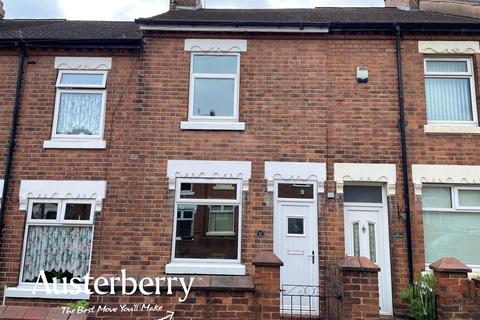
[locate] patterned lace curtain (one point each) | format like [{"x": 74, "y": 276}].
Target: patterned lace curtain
[
  {"x": 57, "y": 248},
  {"x": 79, "y": 113}
]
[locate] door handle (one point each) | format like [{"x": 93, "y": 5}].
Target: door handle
[{"x": 313, "y": 256}]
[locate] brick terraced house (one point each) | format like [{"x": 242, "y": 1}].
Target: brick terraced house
[{"x": 195, "y": 142}]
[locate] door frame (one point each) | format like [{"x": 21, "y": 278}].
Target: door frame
[
  {"x": 277, "y": 227},
  {"x": 384, "y": 230}
]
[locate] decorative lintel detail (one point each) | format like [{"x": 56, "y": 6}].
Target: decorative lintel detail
[
  {"x": 61, "y": 189},
  {"x": 83, "y": 63},
  {"x": 449, "y": 47},
  {"x": 215, "y": 45},
  {"x": 447, "y": 174},
  {"x": 208, "y": 169},
  {"x": 365, "y": 172},
  {"x": 296, "y": 171}
]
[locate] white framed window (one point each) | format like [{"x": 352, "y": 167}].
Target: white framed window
[
  {"x": 214, "y": 91},
  {"x": 58, "y": 240},
  {"x": 451, "y": 223},
  {"x": 212, "y": 210},
  {"x": 79, "y": 115},
  {"x": 450, "y": 91}
]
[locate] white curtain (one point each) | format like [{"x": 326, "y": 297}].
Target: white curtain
[
  {"x": 57, "y": 248},
  {"x": 448, "y": 99},
  {"x": 79, "y": 113}
]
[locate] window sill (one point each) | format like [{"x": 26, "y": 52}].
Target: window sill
[
  {"x": 200, "y": 125},
  {"x": 74, "y": 144},
  {"x": 26, "y": 291},
  {"x": 451, "y": 129},
  {"x": 229, "y": 269}
]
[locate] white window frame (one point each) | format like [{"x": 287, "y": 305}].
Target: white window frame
[
  {"x": 455, "y": 75},
  {"x": 78, "y": 140},
  {"x": 236, "y": 202},
  {"x": 25, "y": 289},
  {"x": 455, "y": 208},
  {"x": 193, "y": 76}
]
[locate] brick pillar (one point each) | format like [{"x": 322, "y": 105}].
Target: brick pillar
[
  {"x": 267, "y": 285},
  {"x": 355, "y": 280},
  {"x": 453, "y": 289}
]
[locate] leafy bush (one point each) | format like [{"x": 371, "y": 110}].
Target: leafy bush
[{"x": 420, "y": 297}]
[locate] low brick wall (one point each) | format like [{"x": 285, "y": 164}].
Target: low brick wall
[
  {"x": 352, "y": 289},
  {"x": 37, "y": 313},
  {"x": 457, "y": 296}
]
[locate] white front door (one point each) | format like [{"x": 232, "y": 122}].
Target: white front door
[
  {"x": 366, "y": 235},
  {"x": 296, "y": 243}
]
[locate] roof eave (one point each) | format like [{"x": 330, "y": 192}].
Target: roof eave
[{"x": 74, "y": 43}]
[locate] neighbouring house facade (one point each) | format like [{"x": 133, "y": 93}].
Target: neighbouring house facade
[{"x": 190, "y": 142}]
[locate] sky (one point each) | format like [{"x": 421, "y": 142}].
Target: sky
[{"x": 131, "y": 9}]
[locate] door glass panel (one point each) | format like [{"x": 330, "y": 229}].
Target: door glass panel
[
  {"x": 356, "y": 240},
  {"x": 300, "y": 191},
  {"x": 368, "y": 194},
  {"x": 295, "y": 226},
  {"x": 371, "y": 240}
]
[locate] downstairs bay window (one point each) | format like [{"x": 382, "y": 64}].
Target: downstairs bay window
[
  {"x": 451, "y": 223},
  {"x": 207, "y": 224}
]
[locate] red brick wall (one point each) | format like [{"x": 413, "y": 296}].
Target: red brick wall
[{"x": 300, "y": 101}]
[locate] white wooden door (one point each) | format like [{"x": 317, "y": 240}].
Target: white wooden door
[
  {"x": 296, "y": 243},
  {"x": 366, "y": 235}
]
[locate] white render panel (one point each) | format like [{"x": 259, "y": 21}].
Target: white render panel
[
  {"x": 451, "y": 174},
  {"x": 83, "y": 63},
  {"x": 449, "y": 47},
  {"x": 208, "y": 169},
  {"x": 296, "y": 171},
  {"x": 215, "y": 45},
  {"x": 62, "y": 189},
  {"x": 365, "y": 172}
]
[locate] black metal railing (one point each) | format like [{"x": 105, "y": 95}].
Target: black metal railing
[{"x": 300, "y": 302}]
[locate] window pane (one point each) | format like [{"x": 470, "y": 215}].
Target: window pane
[
  {"x": 78, "y": 211},
  {"x": 295, "y": 226},
  {"x": 447, "y": 66},
  {"x": 203, "y": 245},
  {"x": 59, "y": 251},
  {"x": 288, "y": 190},
  {"x": 370, "y": 194},
  {"x": 469, "y": 198},
  {"x": 214, "y": 97},
  {"x": 448, "y": 99},
  {"x": 436, "y": 197},
  {"x": 46, "y": 211},
  {"x": 215, "y": 64},
  {"x": 221, "y": 220},
  {"x": 452, "y": 234},
  {"x": 356, "y": 240},
  {"x": 82, "y": 79},
  {"x": 210, "y": 191},
  {"x": 79, "y": 113},
  {"x": 372, "y": 242}
]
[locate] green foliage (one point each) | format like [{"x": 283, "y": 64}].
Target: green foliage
[
  {"x": 80, "y": 304},
  {"x": 420, "y": 297}
]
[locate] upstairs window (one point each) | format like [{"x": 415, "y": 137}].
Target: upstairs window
[
  {"x": 80, "y": 105},
  {"x": 214, "y": 84},
  {"x": 450, "y": 91}
]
